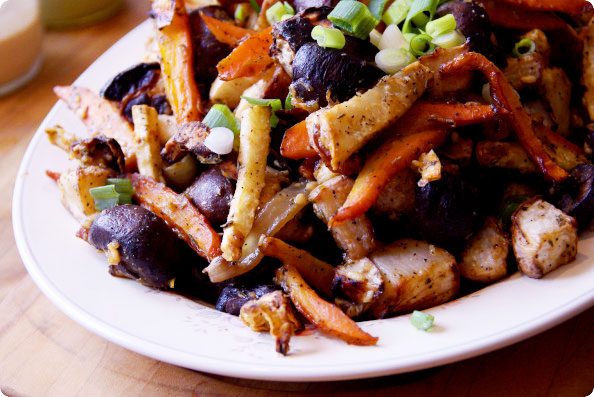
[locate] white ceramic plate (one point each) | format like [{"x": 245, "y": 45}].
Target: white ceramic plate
[{"x": 182, "y": 332}]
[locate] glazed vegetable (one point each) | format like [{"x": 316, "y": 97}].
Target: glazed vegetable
[
  {"x": 392, "y": 157},
  {"x": 211, "y": 193},
  {"x": 147, "y": 142},
  {"x": 511, "y": 17},
  {"x": 100, "y": 118},
  {"x": 253, "y": 150},
  {"x": 568, "y": 6},
  {"x": 225, "y": 32},
  {"x": 504, "y": 96},
  {"x": 142, "y": 245},
  {"x": 295, "y": 143},
  {"x": 249, "y": 58},
  {"x": 338, "y": 132},
  {"x": 177, "y": 59},
  {"x": 326, "y": 316},
  {"x": 175, "y": 209}
]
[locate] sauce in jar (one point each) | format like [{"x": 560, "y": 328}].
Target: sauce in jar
[{"x": 20, "y": 43}]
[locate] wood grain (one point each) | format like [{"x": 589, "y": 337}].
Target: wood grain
[{"x": 44, "y": 353}]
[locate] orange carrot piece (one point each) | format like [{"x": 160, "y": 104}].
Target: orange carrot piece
[
  {"x": 512, "y": 17},
  {"x": 506, "y": 97},
  {"x": 225, "y": 32},
  {"x": 393, "y": 156},
  {"x": 249, "y": 58},
  {"x": 179, "y": 213},
  {"x": 453, "y": 114},
  {"x": 317, "y": 272},
  {"x": 328, "y": 317},
  {"x": 296, "y": 143},
  {"x": 177, "y": 60},
  {"x": 573, "y": 7}
]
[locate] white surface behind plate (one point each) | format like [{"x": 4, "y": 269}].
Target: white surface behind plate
[{"x": 179, "y": 331}]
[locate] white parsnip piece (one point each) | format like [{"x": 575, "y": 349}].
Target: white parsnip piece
[
  {"x": 557, "y": 90},
  {"x": 254, "y": 140},
  {"x": 74, "y": 186},
  {"x": 340, "y": 131},
  {"x": 229, "y": 92},
  {"x": 148, "y": 148},
  {"x": 167, "y": 128},
  {"x": 543, "y": 237},
  {"x": 61, "y": 138}
]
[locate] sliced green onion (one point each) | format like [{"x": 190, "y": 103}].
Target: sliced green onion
[
  {"x": 392, "y": 60},
  {"x": 288, "y": 7},
  {"x": 121, "y": 185},
  {"x": 421, "y": 45},
  {"x": 255, "y": 6},
  {"x": 376, "y": 7},
  {"x": 328, "y": 37},
  {"x": 449, "y": 39},
  {"x": 286, "y": 16},
  {"x": 409, "y": 36},
  {"x": 288, "y": 104},
  {"x": 275, "y": 104},
  {"x": 375, "y": 37},
  {"x": 397, "y": 12},
  {"x": 221, "y": 116},
  {"x": 393, "y": 38},
  {"x": 241, "y": 13},
  {"x": 275, "y": 13},
  {"x": 421, "y": 12},
  {"x": 353, "y": 17},
  {"x": 422, "y": 321},
  {"x": 105, "y": 197},
  {"x": 523, "y": 47},
  {"x": 441, "y": 25}
]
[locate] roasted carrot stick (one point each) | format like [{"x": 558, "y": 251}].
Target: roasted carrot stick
[
  {"x": 393, "y": 156},
  {"x": 452, "y": 114},
  {"x": 249, "y": 58},
  {"x": 573, "y": 7},
  {"x": 512, "y": 17},
  {"x": 505, "y": 97},
  {"x": 328, "y": 317},
  {"x": 296, "y": 143},
  {"x": 225, "y": 32},
  {"x": 177, "y": 59},
  {"x": 179, "y": 213}
]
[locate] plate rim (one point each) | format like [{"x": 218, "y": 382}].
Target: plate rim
[{"x": 468, "y": 349}]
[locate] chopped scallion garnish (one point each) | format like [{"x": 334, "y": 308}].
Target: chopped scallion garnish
[
  {"x": 421, "y": 45},
  {"x": 275, "y": 104},
  {"x": 524, "y": 47},
  {"x": 221, "y": 116},
  {"x": 353, "y": 17},
  {"x": 241, "y": 13},
  {"x": 376, "y": 7},
  {"x": 509, "y": 207},
  {"x": 288, "y": 104},
  {"x": 441, "y": 25},
  {"x": 422, "y": 321},
  {"x": 276, "y": 12},
  {"x": 397, "y": 12},
  {"x": 392, "y": 60},
  {"x": 393, "y": 38},
  {"x": 107, "y": 196},
  {"x": 421, "y": 12},
  {"x": 328, "y": 37},
  {"x": 255, "y": 6},
  {"x": 122, "y": 185},
  {"x": 449, "y": 39}
]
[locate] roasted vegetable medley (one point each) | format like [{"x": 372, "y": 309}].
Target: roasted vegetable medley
[{"x": 329, "y": 161}]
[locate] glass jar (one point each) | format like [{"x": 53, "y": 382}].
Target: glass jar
[
  {"x": 20, "y": 43},
  {"x": 73, "y": 13}
]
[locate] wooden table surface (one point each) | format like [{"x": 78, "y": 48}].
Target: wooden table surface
[{"x": 43, "y": 352}]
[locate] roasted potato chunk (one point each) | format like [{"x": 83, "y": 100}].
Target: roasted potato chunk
[
  {"x": 484, "y": 258},
  {"x": 416, "y": 274},
  {"x": 543, "y": 237},
  {"x": 360, "y": 282}
]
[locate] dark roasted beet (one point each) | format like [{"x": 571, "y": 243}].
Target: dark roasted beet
[
  {"x": 208, "y": 51},
  {"x": 159, "y": 102},
  {"x": 131, "y": 80},
  {"x": 578, "y": 200},
  {"x": 473, "y": 22},
  {"x": 149, "y": 250},
  {"x": 303, "y": 5},
  {"x": 447, "y": 211},
  {"x": 319, "y": 73},
  {"x": 211, "y": 193},
  {"x": 233, "y": 297}
]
